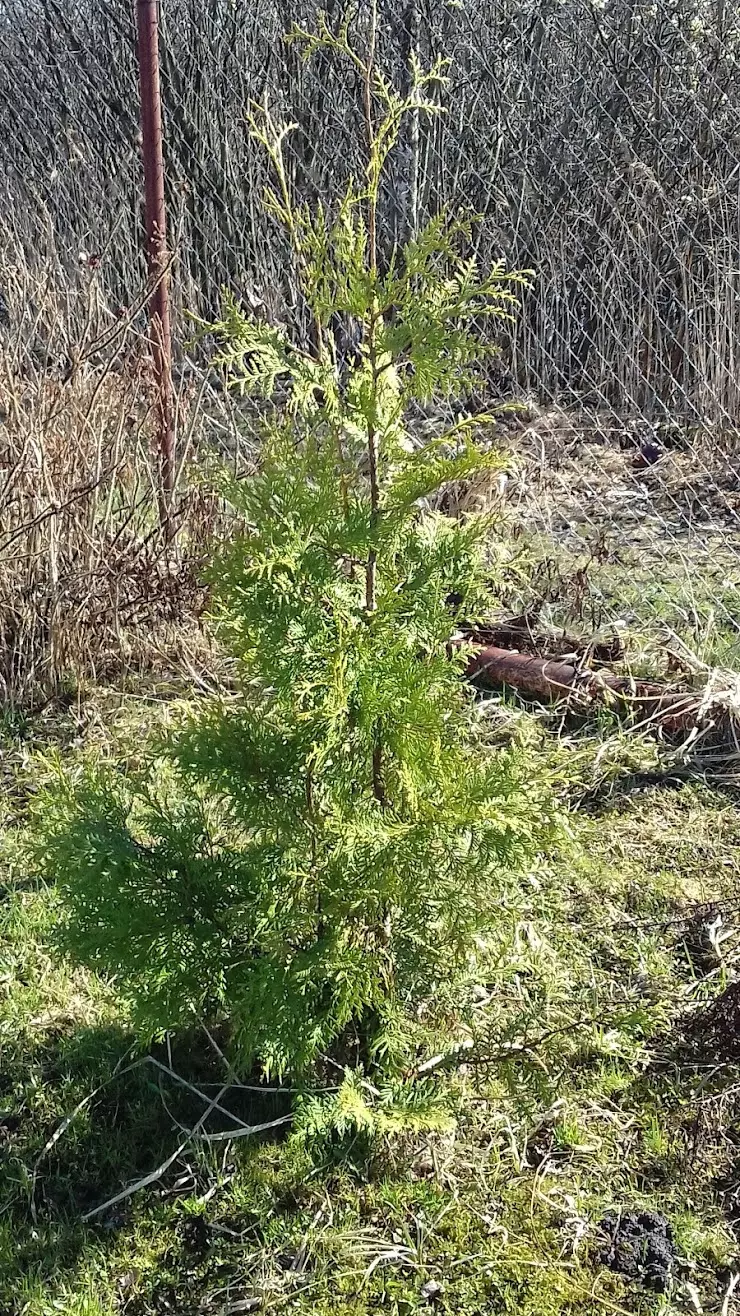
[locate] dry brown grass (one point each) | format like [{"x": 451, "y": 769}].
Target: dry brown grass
[{"x": 88, "y": 587}]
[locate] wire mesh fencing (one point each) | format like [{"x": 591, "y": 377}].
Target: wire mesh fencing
[{"x": 597, "y": 141}]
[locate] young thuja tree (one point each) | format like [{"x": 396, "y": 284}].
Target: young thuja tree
[{"x": 314, "y": 859}]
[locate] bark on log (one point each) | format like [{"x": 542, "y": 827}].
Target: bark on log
[{"x": 551, "y": 679}]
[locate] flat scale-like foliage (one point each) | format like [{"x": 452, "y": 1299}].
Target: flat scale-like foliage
[{"x": 313, "y": 859}]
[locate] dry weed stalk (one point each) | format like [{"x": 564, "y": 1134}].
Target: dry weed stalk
[{"x": 87, "y": 584}]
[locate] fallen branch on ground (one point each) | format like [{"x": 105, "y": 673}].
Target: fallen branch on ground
[{"x": 551, "y": 679}]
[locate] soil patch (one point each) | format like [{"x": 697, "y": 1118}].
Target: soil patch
[
  {"x": 639, "y": 1245},
  {"x": 713, "y": 1034}
]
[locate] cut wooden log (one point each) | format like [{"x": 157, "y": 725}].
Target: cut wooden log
[
  {"x": 550, "y": 679},
  {"x": 522, "y": 636}
]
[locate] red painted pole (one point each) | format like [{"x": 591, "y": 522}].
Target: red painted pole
[{"x": 147, "y": 22}]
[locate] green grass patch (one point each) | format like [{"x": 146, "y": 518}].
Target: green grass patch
[{"x": 578, "y": 1103}]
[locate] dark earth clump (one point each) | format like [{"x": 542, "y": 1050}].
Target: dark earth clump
[
  {"x": 713, "y": 1034},
  {"x": 639, "y": 1245}
]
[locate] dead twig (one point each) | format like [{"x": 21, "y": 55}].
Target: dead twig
[{"x": 243, "y": 1129}]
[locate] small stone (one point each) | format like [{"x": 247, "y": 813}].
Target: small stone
[{"x": 431, "y": 1291}]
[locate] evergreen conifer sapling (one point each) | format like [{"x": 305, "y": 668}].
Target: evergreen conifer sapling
[{"x": 313, "y": 860}]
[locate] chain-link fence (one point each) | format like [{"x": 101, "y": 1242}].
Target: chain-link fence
[{"x": 598, "y": 141}]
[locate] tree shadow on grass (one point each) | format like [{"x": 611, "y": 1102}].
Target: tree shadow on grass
[{"x": 84, "y": 1116}]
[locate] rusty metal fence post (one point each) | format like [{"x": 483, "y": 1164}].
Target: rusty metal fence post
[{"x": 147, "y": 22}]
